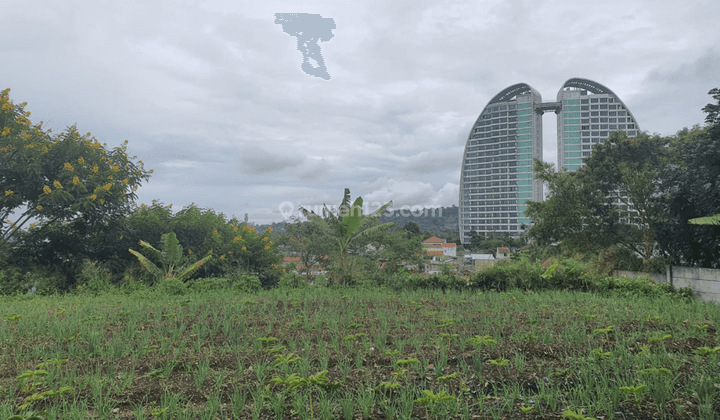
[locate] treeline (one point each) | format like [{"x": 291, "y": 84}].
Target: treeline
[{"x": 635, "y": 198}]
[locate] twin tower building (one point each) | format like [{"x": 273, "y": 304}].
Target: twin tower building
[{"x": 496, "y": 178}]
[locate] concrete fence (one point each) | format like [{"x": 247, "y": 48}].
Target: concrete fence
[{"x": 704, "y": 282}]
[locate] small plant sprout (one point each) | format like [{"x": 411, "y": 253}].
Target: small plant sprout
[
  {"x": 296, "y": 381},
  {"x": 651, "y": 318},
  {"x": 699, "y": 327},
  {"x": 655, "y": 371},
  {"x": 267, "y": 341},
  {"x": 569, "y": 414},
  {"x": 449, "y": 336},
  {"x": 13, "y": 318},
  {"x": 405, "y": 362},
  {"x": 448, "y": 377},
  {"x": 432, "y": 399},
  {"x": 478, "y": 341},
  {"x": 499, "y": 362},
  {"x": 706, "y": 351},
  {"x": 526, "y": 409},
  {"x": 276, "y": 349},
  {"x": 285, "y": 360},
  {"x": 635, "y": 391},
  {"x": 446, "y": 323},
  {"x": 392, "y": 352},
  {"x": 605, "y": 331},
  {"x": 661, "y": 338},
  {"x": 387, "y": 385},
  {"x": 600, "y": 354}
]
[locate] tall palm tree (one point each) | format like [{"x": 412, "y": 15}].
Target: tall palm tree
[{"x": 348, "y": 225}]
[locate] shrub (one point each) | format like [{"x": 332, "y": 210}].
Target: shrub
[
  {"x": 209, "y": 284},
  {"x": 507, "y": 275},
  {"x": 172, "y": 286},
  {"x": 94, "y": 279},
  {"x": 292, "y": 280},
  {"x": 245, "y": 283}
]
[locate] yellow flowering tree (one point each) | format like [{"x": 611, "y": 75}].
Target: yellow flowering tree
[{"x": 72, "y": 187}]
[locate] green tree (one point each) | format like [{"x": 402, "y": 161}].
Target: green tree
[
  {"x": 306, "y": 240},
  {"x": 67, "y": 193},
  {"x": 691, "y": 189},
  {"x": 346, "y": 227}
]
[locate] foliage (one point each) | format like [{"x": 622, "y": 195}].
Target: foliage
[
  {"x": 170, "y": 259},
  {"x": 638, "y": 194},
  {"x": 346, "y": 228},
  {"x": 69, "y": 188},
  {"x": 236, "y": 246},
  {"x": 307, "y": 241}
]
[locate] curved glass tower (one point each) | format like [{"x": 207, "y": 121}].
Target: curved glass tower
[
  {"x": 496, "y": 175},
  {"x": 589, "y": 112}
]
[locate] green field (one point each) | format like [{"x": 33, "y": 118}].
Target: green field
[{"x": 357, "y": 354}]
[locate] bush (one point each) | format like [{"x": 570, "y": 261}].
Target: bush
[
  {"x": 505, "y": 275},
  {"x": 292, "y": 280},
  {"x": 94, "y": 279},
  {"x": 245, "y": 283},
  {"x": 209, "y": 284},
  {"x": 172, "y": 287}
]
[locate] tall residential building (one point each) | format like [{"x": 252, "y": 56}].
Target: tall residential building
[
  {"x": 496, "y": 177},
  {"x": 589, "y": 112}
]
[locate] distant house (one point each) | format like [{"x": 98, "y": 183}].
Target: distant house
[
  {"x": 481, "y": 262},
  {"x": 436, "y": 244},
  {"x": 502, "y": 252}
]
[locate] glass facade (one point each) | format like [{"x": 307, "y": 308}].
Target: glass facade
[
  {"x": 496, "y": 177},
  {"x": 589, "y": 113}
]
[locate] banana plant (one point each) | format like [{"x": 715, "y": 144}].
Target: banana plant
[
  {"x": 348, "y": 225},
  {"x": 170, "y": 258},
  {"x": 710, "y": 220}
]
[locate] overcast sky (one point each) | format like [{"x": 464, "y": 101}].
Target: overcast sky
[{"x": 211, "y": 95}]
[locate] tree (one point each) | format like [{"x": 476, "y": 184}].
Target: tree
[
  {"x": 71, "y": 190},
  {"x": 307, "y": 241},
  {"x": 692, "y": 190},
  {"x": 609, "y": 202},
  {"x": 346, "y": 227}
]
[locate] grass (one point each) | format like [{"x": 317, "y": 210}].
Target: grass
[{"x": 387, "y": 355}]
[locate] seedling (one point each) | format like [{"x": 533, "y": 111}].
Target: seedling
[
  {"x": 410, "y": 361},
  {"x": 661, "y": 338},
  {"x": 499, "y": 362},
  {"x": 656, "y": 371},
  {"x": 605, "y": 331},
  {"x": 13, "y": 318},
  {"x": 706, "y": 351},
  {"x": 285, "y": 360},
  {"x": 635, "y": 391},
  {"x": 600, "y": 354},
  {"x": 569, "y": 414},
  {"x": 267, "y": 341},
  {"x": 478, "y": 341},
  {"x": 432, "y": 399},
  {"x": 392, "y": 352},
  {"x": 276, "y": 349},
  {"x": 448, "y": 377},
  {"x": 526, "y": 409}
]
